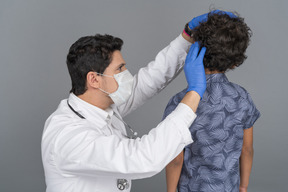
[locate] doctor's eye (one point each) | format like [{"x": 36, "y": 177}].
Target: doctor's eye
[{"x": 121, "y": 67}]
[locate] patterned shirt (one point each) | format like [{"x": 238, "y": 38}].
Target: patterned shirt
[{"x": 211, "y": 162}]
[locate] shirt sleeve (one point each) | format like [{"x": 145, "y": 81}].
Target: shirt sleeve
[
  {"x": 252, "y": 113},
  {"x": 151, "y": 79},
  {"x": 81, "y": 151}
]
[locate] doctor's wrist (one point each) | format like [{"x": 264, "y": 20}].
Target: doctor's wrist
[
  {"x": 187, "y": 38},
  {"x": 192, "y": 99},
  {"x": 187, "y": 34}
]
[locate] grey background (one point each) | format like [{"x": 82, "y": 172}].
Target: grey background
[{"x": 36, "y": 35}]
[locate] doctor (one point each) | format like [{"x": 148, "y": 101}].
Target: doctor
[{"x": 85, "y": 146}]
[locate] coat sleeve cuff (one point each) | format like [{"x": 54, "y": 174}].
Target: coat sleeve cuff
[{"x": 181, "y": 43}]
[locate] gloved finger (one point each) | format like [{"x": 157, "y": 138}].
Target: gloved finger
[
  {"x": 195, "y": 50},
  {"x": 202, "y": 53},
  {"x": 189, "y": 55},
  {"x": 196, "y": 21},
  {"x": 217, "y": 11},
  {"x": 224, "y": 12},
  {"x": 232, "y": 15}
]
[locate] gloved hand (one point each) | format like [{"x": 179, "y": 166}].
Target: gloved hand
[
  {"x": 194, "y": 69},
  {"x": 202, "y": 18}
]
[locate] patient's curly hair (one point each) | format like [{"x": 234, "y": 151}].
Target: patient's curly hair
[{"x": 225, "y": 39}]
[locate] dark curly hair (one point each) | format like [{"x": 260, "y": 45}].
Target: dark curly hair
[
  {"x": 90, "y": 53},
  {"x": 226, "y": 40}
]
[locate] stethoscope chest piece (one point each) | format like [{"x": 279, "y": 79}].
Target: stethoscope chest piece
[{"x": 122, "y": 184}]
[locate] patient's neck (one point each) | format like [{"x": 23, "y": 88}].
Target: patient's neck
[{"x": 207, "y": 72}]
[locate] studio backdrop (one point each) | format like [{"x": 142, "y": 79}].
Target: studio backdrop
[{"x": 34, "y": 40}]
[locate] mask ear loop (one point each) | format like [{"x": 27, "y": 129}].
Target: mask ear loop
[
  {"x": 105, "y": 76},
  {"x": 104, "y": 91}
]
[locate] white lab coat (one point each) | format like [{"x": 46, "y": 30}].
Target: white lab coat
[{"x": 85, "y": 155}]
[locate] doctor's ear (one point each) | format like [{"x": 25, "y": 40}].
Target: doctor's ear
[{"x": 93, "y": 80}]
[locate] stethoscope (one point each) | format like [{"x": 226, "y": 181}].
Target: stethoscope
[
  {"x": 134, "y": 133},
  {"x": 121, "y": 183}
]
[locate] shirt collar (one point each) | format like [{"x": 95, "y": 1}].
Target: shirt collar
[
  {"x": 89, "y": 111},
  {"x": 216, "y": 78}
]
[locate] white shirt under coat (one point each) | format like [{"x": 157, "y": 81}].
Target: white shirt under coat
[{"x": 89, "y": 155}]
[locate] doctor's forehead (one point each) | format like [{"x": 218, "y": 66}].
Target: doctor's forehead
[{"x": 117, "y": 60}]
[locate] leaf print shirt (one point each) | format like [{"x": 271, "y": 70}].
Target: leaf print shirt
[{"x": 211, "y": 162}]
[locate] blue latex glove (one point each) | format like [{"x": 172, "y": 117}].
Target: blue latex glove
[
  {"x": 194, "y": 69},
  {"x": 202, "y": 18}
]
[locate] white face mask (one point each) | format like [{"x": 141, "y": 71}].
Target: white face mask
[{"x": 125, "y": 86}]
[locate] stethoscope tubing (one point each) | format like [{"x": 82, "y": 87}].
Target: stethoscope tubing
[{"x": 134, "y": 133}]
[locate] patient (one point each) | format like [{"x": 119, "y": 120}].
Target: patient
[{"x": 220, "y": 158}]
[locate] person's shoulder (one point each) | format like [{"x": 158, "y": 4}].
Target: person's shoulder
[
  {"x": 60, "y": 118},
  {"x": 247, "y": 107},
  {"x": 63, "y": 122},
  {"x": 245, "y": 98},
  {"x": 242, "y": 92},
  {"x": 176, "y": 99},
  {"x": 61, "y": 113},
  {"x": 173, "y": 102}
]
